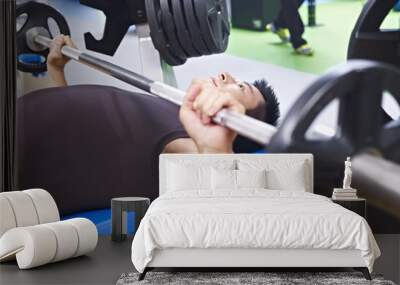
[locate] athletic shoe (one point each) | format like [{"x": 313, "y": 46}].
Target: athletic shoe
[
  {"x": 283, "y": 34},
  {"x": 305, "y": 50}
]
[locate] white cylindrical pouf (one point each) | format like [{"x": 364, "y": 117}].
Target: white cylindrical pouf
[
  {"x": 33, "y": 246},
  {"x": 41, "y": 244},
  {"x": 7, "y": 218},
  {"x": 67, "y": 240},
  {"x": 23, "y": 207},
  {"x": 45, "y": 205},
  {"x": 87, "y": 234}
]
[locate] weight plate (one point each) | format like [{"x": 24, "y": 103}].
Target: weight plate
[
  {"x": 157, "y": 33},
  {"x": 182, "y": 30},
  {"x": 37, "y": 15},
  {"x": 214, "y": 23},
  {"x": 170, "y": 31},
  {"x": 359, "y": 86},
  {"x": 368, "y": 40},
  {"x": 194, "y": 28}
]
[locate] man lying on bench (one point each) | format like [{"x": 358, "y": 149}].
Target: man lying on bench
[{"x": 105, "y": 142}]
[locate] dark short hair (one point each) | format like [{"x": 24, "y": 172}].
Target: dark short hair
[{"x": 271, "y": 116}]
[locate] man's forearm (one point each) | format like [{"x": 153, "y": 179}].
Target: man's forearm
[
  {"x": 214, "y": 151},
  {"x": 188, "y": 145},
  {"x": 58, "y": 77},
  {"x": 205, "y": 150},
  {"x": 182, "y": 145}
]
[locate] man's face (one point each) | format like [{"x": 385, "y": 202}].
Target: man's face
[{"x": 245, "y": 93}]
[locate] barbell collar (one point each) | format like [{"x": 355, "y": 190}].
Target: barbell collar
[
  {"x": 32, "y": 34},
  {"x": 244, "y": 125}
]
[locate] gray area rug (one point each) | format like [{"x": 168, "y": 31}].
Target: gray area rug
[{"x": 243, "y": 278}]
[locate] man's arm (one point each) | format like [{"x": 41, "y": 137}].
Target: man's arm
[
  {"x": 202, "y": 101},
  {"x": 183, "y": 145},
  {"x": 56, "y": 61}
]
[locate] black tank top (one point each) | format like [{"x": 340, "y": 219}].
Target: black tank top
[{"x": 87, "y": 144}]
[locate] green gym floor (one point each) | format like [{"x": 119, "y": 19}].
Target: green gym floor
[{"x": 329, "y": 39}]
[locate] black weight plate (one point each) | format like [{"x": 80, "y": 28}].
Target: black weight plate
[
  {"x": 37, "y": 17},
  {"x": 368, "y": 41},
  {"x": 359, "y": 86},
  {"x": 214, "y": 23},
  {"x": 194, "y": 28},
  {"x": 170, "y": 31},
  {"x": 225, "y": 27},
  {"x": 202, "y": 9},
  {"x": 181, "y": 28},
  {"x": 157, "y": 33}
]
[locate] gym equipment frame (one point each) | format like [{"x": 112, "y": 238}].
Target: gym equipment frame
[{"x": 8, "y": 156}]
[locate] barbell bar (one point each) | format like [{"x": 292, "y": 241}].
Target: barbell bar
[
  {"x": 242, "y": 124},
  {"x": 372, "y": 172}
]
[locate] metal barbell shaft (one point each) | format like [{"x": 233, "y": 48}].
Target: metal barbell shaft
[
  {"x": 378, "y": 180},
  {"x": 244, "y": 125}
]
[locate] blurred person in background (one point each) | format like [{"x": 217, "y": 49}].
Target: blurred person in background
[{"x": 289, "y": 27}]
